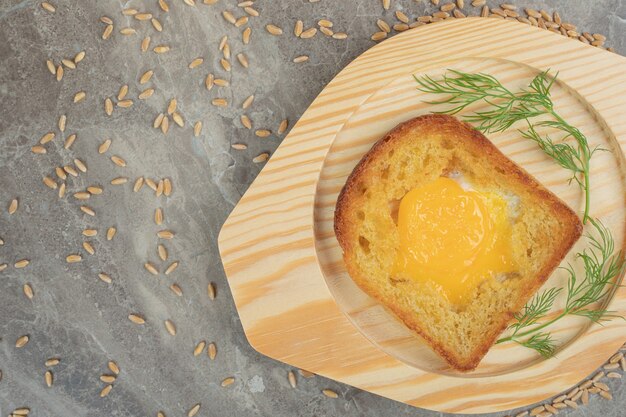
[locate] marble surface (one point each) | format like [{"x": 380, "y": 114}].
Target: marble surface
[{"x": 82, "y": 320}]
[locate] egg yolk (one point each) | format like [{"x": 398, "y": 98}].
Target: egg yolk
[{"x": 452, "y": 237}]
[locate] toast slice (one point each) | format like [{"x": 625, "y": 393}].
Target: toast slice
[{"x": 417, "y": 152}]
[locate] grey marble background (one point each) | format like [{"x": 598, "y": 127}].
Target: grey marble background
[{"x": 82, "y": 320}]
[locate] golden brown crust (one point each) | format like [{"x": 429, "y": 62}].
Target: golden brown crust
[{"x": 476, "y": 141}]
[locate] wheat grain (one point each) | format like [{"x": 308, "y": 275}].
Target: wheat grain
[
  {"x": 145, "y": 44},
  {"x": 162, "y": 252},
  {"x": 3, "y": 267},
  {"x": 219, "y": 102},
  {"x": 606, "y": 395},
  {"x": 143, "y": 16},
  {"x": 113, "y": 367},
  {"x": 107, "y": 378},
  {"x": 119, "y": 181},
  {"x": 62, "y": 122},
  {"x": 379, "y": 36},
  {"x": 171, "y": 268},
  {"x": 197, "y": 128},
  {"x": 90, "y": 232},
  {"x": 326, "y": 31},
  {"x": 129, "y": 12},
  {"x": 387, "y": 4},
  {"x": 196, "y": 62},
  {"x": 170, "y": 327},
  {"x": 291, "y": 377},
  {"x": 59, "y": 73},
  {"x": 176, "y": 290},
  {"x": 95, "y": 190},
  {"x": 251, "y": 11},
  {"x": 107, "y": 33},
  {"x": 51, "y": 67},
  {"x": 245, "y": 121},
  {"x": 241, "y": 21},
  {"x": 48, "y": 378},
  {"x": 13, "y": 206},
  {"x": 212, "y": 351},
  {"x": 165, "y": 234},
  {"x": 136, "y": 318},
  {"x": 228, "y": 381},
  {"x": 160, "y": 49},
  {"x": 108, "y": 106},
  {"x": 156, "y": 23},
  {"x": 111, "y": 231},
  {"x": 243, "y": 60},
  {"x": 274, "y": 30},
  {"x": 209, "y": 81},
  {"x": 71, "y": 259},
  {"x": 79, "y": 57},
  {"x": 309, "y": 33},
  {"x": 298, "y": 27},
  {"x": 79, "y": 96},
  {"x": 60, "y": 173},
  {"x": 199, "y": 348},
  {"x": 50, "y": 183},
  {"x": 262, "y": 133},
  {"x": 448, "y": 7},
  {"x": 300, "y": 59},
  {"x": 68, "y": 63},
  {"x": 211, "y": 291},
  {"x": 193, "y": 410},
  {"x": 62, "y": 190},
  {"x": 80, "y": 165},
  {"x": 48, "y": 7},
  {"x": 128, "y": 31},
  {"x": 584, "y": 398},
  {"x": 104, "y": 277},
  {"x": 120, "y": 162},
  {"x": 106, "y": 390},
  {"x": 28, "y": 291},
  {"x": 52, "y": 361},
  {"x": 150, "y": 183},
  {"x": 262, "y": 157},
  {"x": 70, "y": 170},
  {"x": 239, "y": 146},
  {"x": 305, "y": 373},
  {"x": 125, "y": 103},
  {"x": 221, "y": 82},
  {"x": 167, "y": 187},
  {"x": 245, "y": 35},
  {"x": 46, "y": 138},
  {"x": 283, "y": 127},
  {"x": 330, "y": 393},
  {"x": 537, "y": 410},
  {"x": 147, "y": 93},
  {"x": 21, "y": 341},
  {"x": 159, "y": 190},
  {"x": 146, "y": 76},
  {"x": 39, "y": 150},
  {"x": 151, "y": 268},
  {"x": 69, "y": 141},
  {"x": 82, "y": 195},
  {"x": 400, "y": 16}
]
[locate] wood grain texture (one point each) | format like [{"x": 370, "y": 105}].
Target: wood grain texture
[{"x": 295, "y": 300}]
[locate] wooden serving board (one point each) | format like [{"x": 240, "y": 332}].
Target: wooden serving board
[{"x": 296, "y": 302}]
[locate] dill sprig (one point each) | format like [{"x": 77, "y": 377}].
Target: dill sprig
[
  {"x": 601, "y": 264},
  {"x": 462, "y": 89}
]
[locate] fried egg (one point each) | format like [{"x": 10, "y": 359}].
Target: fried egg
[{"x": 454, "y": 237}]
